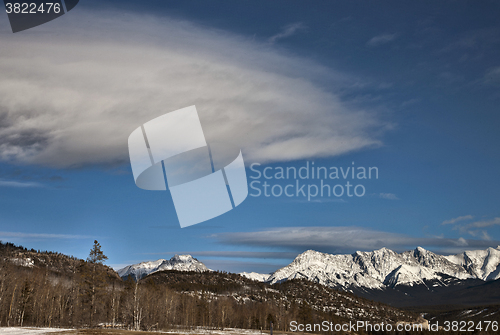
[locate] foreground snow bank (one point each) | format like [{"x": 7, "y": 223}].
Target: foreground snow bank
[
  {"x": 29, "y": 330},
  {"x": 197, "y": 331},
  {"x": 226, "y": 331}
]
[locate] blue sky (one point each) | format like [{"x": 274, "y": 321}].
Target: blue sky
[{"x": 410, "y": 88}]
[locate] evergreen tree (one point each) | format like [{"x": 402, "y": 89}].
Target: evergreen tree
[
  {"x": 96, "y": 255},
  {"x": 94, "y": 278}
]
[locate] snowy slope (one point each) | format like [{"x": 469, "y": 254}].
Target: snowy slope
[
  {"x": 331, "y": 270},
  {"x": 385, "y": 268},
  {"x": 436, "y": 263},
  {"x": 178, "y": 262},
  {"x": 482, "y": 264},
  {"x": 262, "y": 277},
  {"x": 409, "y": 275}
]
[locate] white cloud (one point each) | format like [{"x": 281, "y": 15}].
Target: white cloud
[
  {"x": 410, "y": 102},
  {"x": 388, "y": 196},
  {"x": 19, "y": 184},
  {"x": 462, "y": 242},
  {"x": 476, "y": 228},
  {"x": 343, "y": 240},
  {"x": 40, "y": 236},
  {"x": 287, "y": 31},
  {"x": 485, "y": 236},
  {"x": 484, "y": 224},
  {"x": 474, "y": 41},
  {"x": 381, "y": 39},
  {"x": 73, "y": 90},
  {"x": 458, "y": 219}
]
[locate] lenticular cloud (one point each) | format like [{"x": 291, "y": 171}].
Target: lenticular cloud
[{"x": 73, "y": 90}]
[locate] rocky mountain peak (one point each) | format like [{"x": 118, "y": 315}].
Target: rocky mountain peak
[{"x": 178, "y": 262}]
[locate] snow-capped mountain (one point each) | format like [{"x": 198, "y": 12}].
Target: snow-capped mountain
[
  {"x": 385, "y": 268},
  {"x": 262, "y": 277},
  {"x": 482, "y": 264},
  {"x": 437, "y": 263},
  {"x": 409, "y": 275},
  {"x": 178, "y": 262}
]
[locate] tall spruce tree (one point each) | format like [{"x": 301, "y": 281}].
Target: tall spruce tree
[
  {"x": 96, "y": 255},
  {"x": 94, "y": 278}
]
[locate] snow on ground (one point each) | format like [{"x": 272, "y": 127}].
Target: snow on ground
[
  {"x": 29, "y": 330},
  {"x": 226, "y": 331},
  {"x": 198, "y": 331}
]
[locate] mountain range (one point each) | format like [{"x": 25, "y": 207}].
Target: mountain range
[
  {"x": 407, "y": 278},
  {"x": 385, "y": 268},
  {"x": 371, "y": 270},
  {"x": 216, "y": 299}
]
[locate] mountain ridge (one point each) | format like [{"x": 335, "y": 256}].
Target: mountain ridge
[
  {"x": 177, "y": 262},
  {"x": 377, "y": 269},
  {"x": 383, "y": 267}
]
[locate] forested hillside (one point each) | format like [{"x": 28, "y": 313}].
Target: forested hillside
[
  {"x": 219, "y": 299},
  {"x": 47, "y": 289},
  {"x": 50, "y": 289},
  {"x": 53, "y": 290}
]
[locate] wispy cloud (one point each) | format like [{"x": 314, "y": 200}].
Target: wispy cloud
[
  {"x": 475, "y": 41},
  {"x": 492, "y": 76},
  {"x": 287, "y": 31},
  {"x": 449, "y": 78},
  {"x": 477, "y": 228},
  {"x": 4, "y": 234},
  {"x": 19, "y": 184},
  {"x": 388, "y": 196},
  {"x": 485, "y": 236},
  {"x": 484, "y": 224},
  {"x": 381, "y": 39},
  {"x": 458, "y": 219},
  {"x": 242, "y": 89},
  {"x": 410, "y": 102},
  {"x": 344, "y": 240}
]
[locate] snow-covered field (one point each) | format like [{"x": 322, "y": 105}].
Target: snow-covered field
[
  {"x": 40, "y": 331},
  {"x": 29, "y": 330},
  {"x": 227, "y": 331}
]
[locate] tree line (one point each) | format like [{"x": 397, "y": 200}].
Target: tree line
[{"x": 92, "y": 295}]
